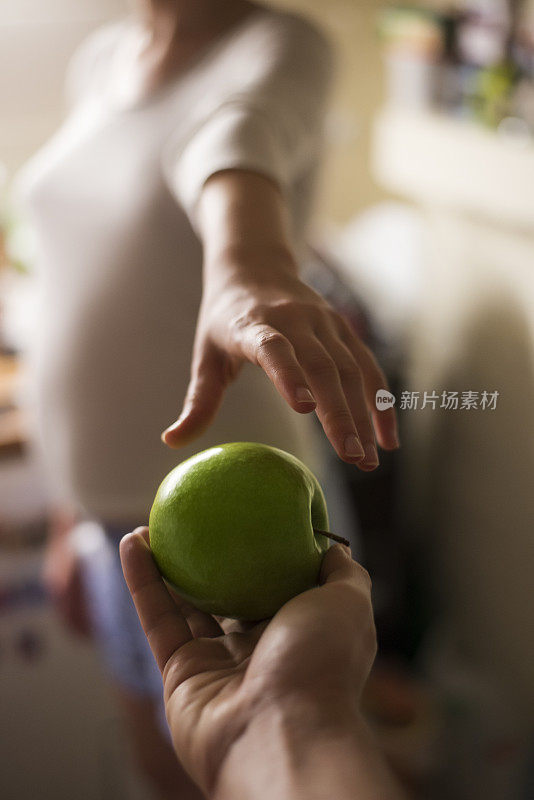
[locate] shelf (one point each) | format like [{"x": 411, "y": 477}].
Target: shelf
[
  {"x": 439, "y": 161},
  {"x": 13, "y": 422}
]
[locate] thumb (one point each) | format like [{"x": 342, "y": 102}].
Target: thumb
[{"x": 209, "y": 378}]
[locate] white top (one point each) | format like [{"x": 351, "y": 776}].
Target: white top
[{"x": 112, "y": 199}]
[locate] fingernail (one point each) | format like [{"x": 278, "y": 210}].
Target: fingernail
[
  {"x": 353, "y": 447},
  {"x": 304, "y": 395},
  {"x": 371, "y": 454},
  {"x": 170, "y": 429}
]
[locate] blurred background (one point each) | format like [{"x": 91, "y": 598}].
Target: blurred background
[{"x": 425, "y": 234}]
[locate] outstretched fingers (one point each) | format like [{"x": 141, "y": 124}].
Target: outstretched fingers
[
  {"x": 204, "y": 396},
  {"x": 352, "y": 381},
  {"x": 164, "y": 626},
  {"x": 385, "y": 421},
  {"x": 273, "y": 352},
  {"x": 332, "y": 408}
]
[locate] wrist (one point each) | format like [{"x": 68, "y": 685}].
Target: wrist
[
  {"x": 250, "y": 262},
  {"x": 242, "y": 215},
  {"x": 274, "y": 755}
]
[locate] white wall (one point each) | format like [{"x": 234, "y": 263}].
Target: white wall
[
  {"x": 37, "y": 38},
  {"x": 469, "y": 474}
]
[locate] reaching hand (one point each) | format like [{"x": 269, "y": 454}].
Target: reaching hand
[
  {"x": 309, "y": 352},
  {"x": 254, "y": 308},
  {"x": 218, "y": 679}
]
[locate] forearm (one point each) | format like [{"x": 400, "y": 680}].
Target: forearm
[
  {"x": 255, "y": 308},
  {"x": 289, "y": 755},
  {"x": 245, "y": 229}
]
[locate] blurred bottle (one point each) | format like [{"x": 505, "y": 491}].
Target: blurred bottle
[
  {"x": 522, "y": 48},
  {"x": 487, "y": 75},
  {"x": 473, "y": 59},
  {"x": 523, "y": 44},
  {"x": 413, "y": 46},
  {"x": 483, "y": 32}
]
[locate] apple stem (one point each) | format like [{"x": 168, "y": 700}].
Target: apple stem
[{"x": 333, "y": 536}]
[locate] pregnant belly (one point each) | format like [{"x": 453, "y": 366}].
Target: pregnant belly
[{"x": 105, "y": 392}]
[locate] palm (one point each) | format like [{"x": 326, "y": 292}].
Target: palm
[
  {"x": 217, "y": 676},
  {"x": 203, "y": 684}
]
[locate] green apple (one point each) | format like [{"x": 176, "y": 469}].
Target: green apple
[{"x": 232, "y": 529}]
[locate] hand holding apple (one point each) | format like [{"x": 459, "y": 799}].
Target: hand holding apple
[{"x": 252, "y": 713}]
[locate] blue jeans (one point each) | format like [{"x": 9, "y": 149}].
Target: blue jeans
[{"x": 119, "y": 635}]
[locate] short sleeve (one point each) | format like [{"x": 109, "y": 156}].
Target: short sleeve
[{"x": 267, "y": 111}]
